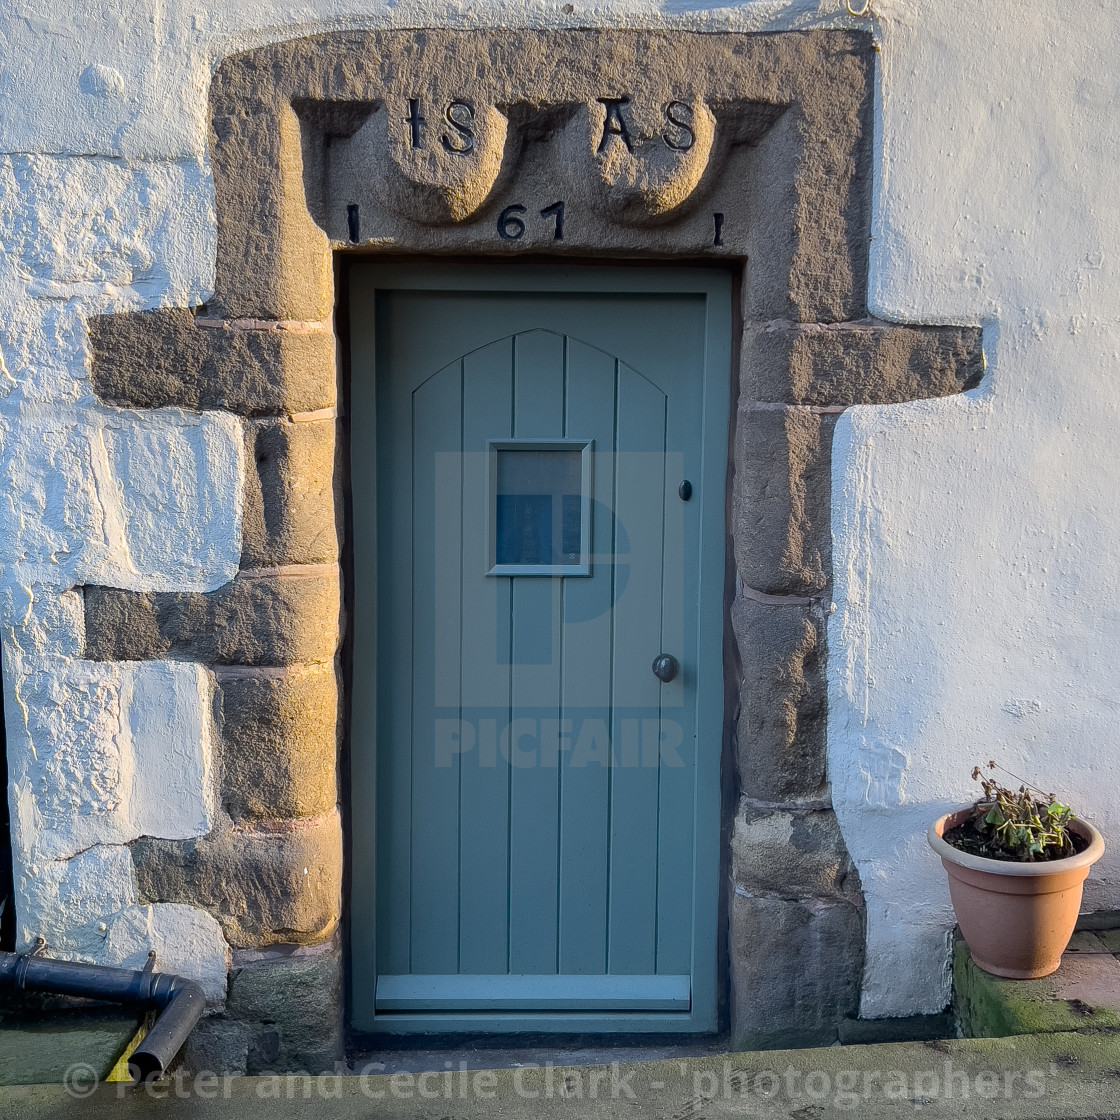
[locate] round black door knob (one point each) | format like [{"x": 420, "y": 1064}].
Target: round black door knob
[{"x": 665, "y": 667}]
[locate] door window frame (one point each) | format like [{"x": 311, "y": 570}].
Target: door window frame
[{"x": 582, "y": 567}]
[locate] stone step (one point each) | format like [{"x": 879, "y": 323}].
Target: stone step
[{"x": 1084, "y": 993}]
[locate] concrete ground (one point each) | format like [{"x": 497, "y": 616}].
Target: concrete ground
[{"x": 1070, "y": 1075}]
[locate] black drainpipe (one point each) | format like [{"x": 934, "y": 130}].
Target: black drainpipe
[
  {"x": 180, "y": 1002},
  {"x": 7, "y": 890}
]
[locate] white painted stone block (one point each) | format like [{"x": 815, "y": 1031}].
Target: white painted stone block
[
  {"x": 69, "y": 902},
  {"x": 909, "y": 917},
  {"x": 86, "y": 908},
  {"x": 170, "y": 723},
  {"x": 42, "y": 346},
  {"x": 187, "y": 942},
  {"x": 103, "y": 77},
  {"x": 110, "y": 234},
  {"x": 179, "y": 476},
  {"x": 143, "y": 500},
  {"x": 37, "y": 620},
  {"x": 71, "y": 781},
  {"x": 108, "y": 752}
]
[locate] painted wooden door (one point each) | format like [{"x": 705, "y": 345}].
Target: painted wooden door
[{"x": 538, "y": 463}]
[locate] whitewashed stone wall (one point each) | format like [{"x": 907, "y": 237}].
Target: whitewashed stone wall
[
  {"x": 975, "y": 553},
  {"x": 100, "y": 754}
]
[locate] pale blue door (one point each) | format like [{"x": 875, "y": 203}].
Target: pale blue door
[{"x": 538, "y": 468}]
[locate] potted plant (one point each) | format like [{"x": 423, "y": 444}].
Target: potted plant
[{"x": 1016, "y": 864}]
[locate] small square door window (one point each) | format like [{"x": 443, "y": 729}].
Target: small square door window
[{"x": 540, "y": 507}]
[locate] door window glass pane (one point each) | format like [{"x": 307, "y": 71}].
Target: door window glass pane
[{"x": 539, "y": 506}]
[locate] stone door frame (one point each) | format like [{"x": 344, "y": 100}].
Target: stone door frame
[{"x": 751, "y": 150}]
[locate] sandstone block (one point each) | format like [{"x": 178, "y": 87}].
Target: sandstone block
[
  {"x": 809, "y": 270},
  {"x": 265, "y": 886},
  {"x": 298, "y": 996},
  {"x": 279, "y": 743},
  {"x": 153, "y": 359},
  {"x": 782, "y": 498},
  {"x": 216, "y": 1045},
  {"x": 795, "y": 970},
  {"x": 783, "y": 702},
  {"x": 289, "y": 512},
  {"x": 123, "y": 625},
  {"x": 791, "y": 854},
  {"x": 273, "y": 262},
  {"x": 866, "y": 363},
  {"x": 279, "y": 618}
]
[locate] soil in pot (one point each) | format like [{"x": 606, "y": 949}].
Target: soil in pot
[{"x": 967, "y": 837}]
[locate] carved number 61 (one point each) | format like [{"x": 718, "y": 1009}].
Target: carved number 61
[{"x": 512, "y": 228}]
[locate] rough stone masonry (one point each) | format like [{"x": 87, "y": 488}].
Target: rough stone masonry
[{"x": 173, "y": 637}]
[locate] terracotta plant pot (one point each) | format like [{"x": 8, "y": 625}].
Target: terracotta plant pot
[{"x": 1016, "y": 917}]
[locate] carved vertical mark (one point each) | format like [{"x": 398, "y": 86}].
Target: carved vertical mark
[
  {"x": 556, "y": 210},
  {"x": 353, "y": 223},
  {"x": 415, "y": 122}
]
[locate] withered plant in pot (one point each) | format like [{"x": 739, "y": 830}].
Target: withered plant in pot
[{"x": 1017, "y": 863}]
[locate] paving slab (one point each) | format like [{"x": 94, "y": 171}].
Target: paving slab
[
  {"x": 1028, "y": 1077},
  {"x": 38, "y": 1051},
  {"x": 1084, "y": 992}
]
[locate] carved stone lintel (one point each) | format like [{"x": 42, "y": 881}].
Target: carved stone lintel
[{"x": 436, "y": 160}]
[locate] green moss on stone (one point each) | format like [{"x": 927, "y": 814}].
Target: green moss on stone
[{"x": 991, "y": 1007}]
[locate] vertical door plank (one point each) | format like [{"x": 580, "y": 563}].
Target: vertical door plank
[
  {"x": 670, "y": 741},
  {"x": 677, "y": 909},
  {"x": 394, "y": 643},
  {"x": 536, "y": 657},
  {"x": 639, "y": 489},
  {"x": 436, "y": 623},
  {"x": 484, "y": 773},
  {"x": 586, "y": 669}
]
